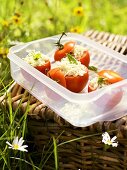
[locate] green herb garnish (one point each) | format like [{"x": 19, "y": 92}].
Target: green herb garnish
[
  {"x": 71, "y": 59},
  {"x": 37, "y": 56},
  {"x": 93, "y": 68},
  {"x": 101, "y": 81}
]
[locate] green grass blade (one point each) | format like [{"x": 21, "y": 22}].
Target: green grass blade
[{"x": 55, "y": 153}]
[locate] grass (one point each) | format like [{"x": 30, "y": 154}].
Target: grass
[{"x": 23, "y": 21}]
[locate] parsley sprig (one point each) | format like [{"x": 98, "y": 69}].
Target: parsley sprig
[
  {"x": 93, "y": 68},
  {"x": 101, "y": 81},
  {"x": 37, "y": 56},
  {"x": 71, "y": 59}
]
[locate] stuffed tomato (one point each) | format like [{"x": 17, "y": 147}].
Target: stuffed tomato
[
  {"x": 70, "y": 47},
  {"x": 38, "y": 60},
  {"x": 105, "y": 78},
  {"x": 70, "y": 73}
]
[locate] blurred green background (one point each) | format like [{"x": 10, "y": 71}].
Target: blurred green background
[
  {"x": 33, "y": 19},
  {"x": 26, "y": 20}
]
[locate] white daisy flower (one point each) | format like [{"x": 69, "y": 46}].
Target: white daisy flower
[
  {"x": 17, "y": 144},
  {"x": 108, "y": 141}
]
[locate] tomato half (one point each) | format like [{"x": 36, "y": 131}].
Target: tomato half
[
  {"x": 72, "y": 83},
  {"x": 111, "y": 76},
  {"x": 44, "y": 68},
  {"x": 76, "y": 83},
  {"x": 91, "y": 88},
  {"x": 67, "y": 48},
  {"x": 85, "y": 58},
  {"x": 57, "y": 75},
  {"x": 108, "y": 101}
]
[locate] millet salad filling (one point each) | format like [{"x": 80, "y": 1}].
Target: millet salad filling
[
  {"x": 70, "y": 68},
  {"x": 78, "y": 51},
  {"x": 98, "y": 82},
  {"x": 35, "y": 58}
]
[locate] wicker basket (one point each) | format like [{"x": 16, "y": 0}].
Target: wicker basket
[{"x": 86, "y": 152}]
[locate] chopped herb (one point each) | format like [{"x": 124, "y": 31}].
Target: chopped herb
[
  {"x": 71, "y": 59},
  {"x": 101, "y": 81},
  {"x": 93, "y": 68},
  {"x": 37, "y": 56}
]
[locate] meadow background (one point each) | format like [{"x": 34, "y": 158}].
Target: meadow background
[
  {"x": 26, "y": 20},
  {"x": 23, "y": 21}
]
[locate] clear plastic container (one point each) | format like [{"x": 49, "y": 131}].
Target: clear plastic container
[{"x": 79, "y": 109}]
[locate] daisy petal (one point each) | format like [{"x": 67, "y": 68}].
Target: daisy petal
[
  {"x": 24, "y": 146},
  {"x": 9, "y": 144},
  {"x": 113, "y": 139},
  {"x": 107, "y": 140},
  {"x": 15, "y": 141},
  {"x": 106, "y": 136},
  {"x": 20, "y": 141},
  {"x": 10, "y": 147},
  {"x": 23, "y": 149},
  {"x": 17, "y": 144},
  {"x": 115, "y": 144}
]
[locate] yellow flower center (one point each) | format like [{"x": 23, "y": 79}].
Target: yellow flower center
[
  {"x": 75, "y": 29},
  {"x": 17, "y": 19},
  {"x": 79, "y": 11},
  {"x": 109, "y": 142},
  {"x": 5, "y": 23},
  {"x": 16, "y": 146}
]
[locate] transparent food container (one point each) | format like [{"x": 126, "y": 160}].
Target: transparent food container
[{"x": 80, "y": 109}]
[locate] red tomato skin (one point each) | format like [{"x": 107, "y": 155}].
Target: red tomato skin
[
  {"x": 57, "y": 75},
  {"x": 115, "y": 99},
  {"x": 67, "y": 48},
  {"x": 76, "y": 84},
  {"x": 44, "y": 68},
  {"x": 85, "y": 59},
  {"x": 90, "y": 88},
  {"x": 109, "y": 101},
  {"x": 111, "y": 76}
]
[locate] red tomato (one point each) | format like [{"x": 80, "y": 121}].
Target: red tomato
[
  {"x": 91, "y": 88},
  {"x": 72, "y": 83},
  {"x": 108, "y": 100},
  {"x": 57, "y": 75},
  {"x": 85, "y": 58},
  {"x": 69, "y": 48},
  {"x": 62, "y": 52},
  {"x": 44, "y": 68},
  {"x": 111, "y": 76},
  {"x": 76, "y": 83},
  {"x": 114, "y": 99}
]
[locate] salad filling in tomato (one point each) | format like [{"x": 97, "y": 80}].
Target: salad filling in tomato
[
  {"x": 79, "y": 52},
  {"x": 75, "y": 74},
  {"x": 38, "y": 60},
  {"x": 104, "y": 78},
  {"x": 82, "y": 55}
]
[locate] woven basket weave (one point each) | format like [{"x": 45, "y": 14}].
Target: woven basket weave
[{"x": 85, "y": 153}]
